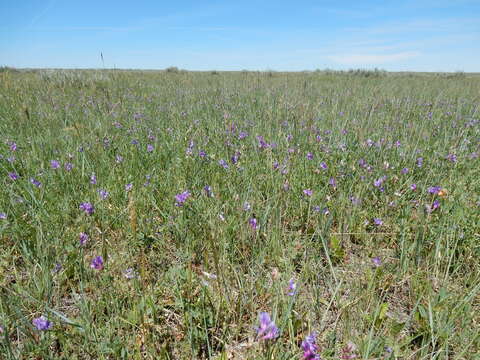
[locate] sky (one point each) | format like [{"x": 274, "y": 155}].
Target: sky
[{"x": 410, "y": 35}]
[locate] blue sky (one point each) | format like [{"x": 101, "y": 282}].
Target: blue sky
[{"x": 411, "y": 35}]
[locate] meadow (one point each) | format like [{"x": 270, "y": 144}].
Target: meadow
[{"x": 239, "y": 215}]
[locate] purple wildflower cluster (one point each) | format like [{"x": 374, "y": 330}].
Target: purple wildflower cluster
[
  {"x": 181, "y": 198},
  {"x": 267, "y": 329}
]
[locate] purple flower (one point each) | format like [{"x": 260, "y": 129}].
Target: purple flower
[
  {"x": 404, "y": 171},
  {"x": 310, "y": 348},
  {"x": 242, "y": 135},
  {"x": 267, "y": 329},
  {"x": 378, "y": 183},
  {"x": 377, "y": 262},
  {"x": 452, "y": 157},
  {"x": 130, "y": 273},
  {"x": 332, "y": 182},
  {"x": 292, "y": 287},
  {"x": 253, "y": 223},
  {"x": 13, "y": 146},
  {"x": 377, "y": 221},
  {"x": 308, "y": 192},
  {"x": 413, "y": 187},
  {"x": 208, "y": 191},
  {"x": 433, "y": 207},
  {"x": 134, "y": 142},
  {"x": 119, "y": 159},
  {"x": 223, "y": 163},
  {"x": 3, "y": 216},
  {"x": 68, "y": 166},
  {"x": 13, "y": 176},
  {"x": 149, "y": 148},
  {"x": 434, "y": 189},
  {"x": 42, "y": 323},
  {"x": 87, "y": 207},
  {"x": 235, "y": 157},
  {"x": 93, "y": 179},
  {"x": 57, "y": 268},
  {"x": 262, "y": 144},
  {"x": 246, "y": 206},
  {"x": 54, "y": 164},
  {"x": 97, "y": 263},
  {"x": 103, "y": 194},
  {"x": 83, "y": 238},
  {"x": 128, "y": 187},
  {"x": 181, "y": 198},
  {"x": 420, "y": 162},
  {"x": 309, "y": 156},
  {"x": 202, "y": 154},
  {"x": 324, "y": 165},
  {"x": 35, "y": 182}
]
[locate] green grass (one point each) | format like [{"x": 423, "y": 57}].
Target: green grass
[{"x": 422, "y": 302}]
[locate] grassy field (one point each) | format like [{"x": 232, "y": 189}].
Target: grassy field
[{"x": 163, "y": 215}]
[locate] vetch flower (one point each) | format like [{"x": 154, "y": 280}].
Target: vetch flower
[
  {"x": 57, "y": 268},
  {"x": 310, "y": 348},
  {"x": 103, "y": 194},
  {"x": 54, "y": 164},
  {"x": 208, "y": 191},
  {"x": 308, "y": 192},
  {"x": 433, "y": 207},
  {"x": 452, "y": 157},
  {"x": 332, "y": 182},
  {"x": 97, "y": 263},
  {"x": 42, "y": 323},
  {"x": 434, "y": 189},
  {"x": 130, "y": 273},
  {"x": 223, "y": 163},
  {"x": 3, "y": 216},
  {"x": 149, "y": 148},
  {"x": 87, "y": 207},
  {"x": 35, "y": 182},
  {"x": 267, "y": 329},
  {"x": 13, "y": 176},
  {"x": 83, "y": 238},
  {"x": 93, "y": 179},
  {"x": 292, "y": 287},
  {"x": 413, "y": 187},
  {"x": 377, "y": 221},
  {"x": 68, "y": 166},
  {"x": 253, "y": 223},
  {"x": 181, "y": 198},
  {"x": 377, "y": 262}
]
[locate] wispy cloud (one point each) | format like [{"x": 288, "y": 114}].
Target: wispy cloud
[{"x": 372, "y": 59}]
